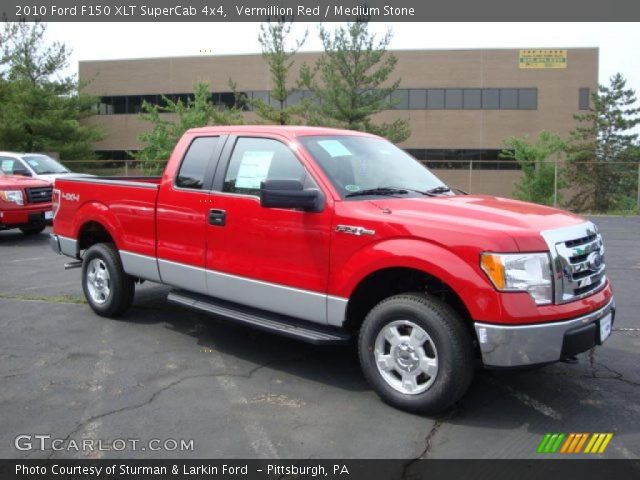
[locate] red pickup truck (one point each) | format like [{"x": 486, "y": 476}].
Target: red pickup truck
[
  {"x": 326, "y": 235},
  {"x": 25, "y": 203}
]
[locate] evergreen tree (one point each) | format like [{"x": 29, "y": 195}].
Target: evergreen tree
[
  {"x": 601, "y": 153},
  {"x": 273, "y": 40},
  {"x": 353, "y": 81},
  {"x": 40, "y": 109}
]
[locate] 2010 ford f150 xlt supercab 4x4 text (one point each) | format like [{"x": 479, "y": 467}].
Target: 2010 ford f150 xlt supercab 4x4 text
[{"x": 326, "y": 235}]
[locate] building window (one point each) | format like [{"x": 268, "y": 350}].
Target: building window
[
  {"x": 418, "y": 98},
  {"x": 583, "y": 99},
  {"x": 435, "y": 98},
  {"x": 294, "y": 98},
  {"x": 490, "y": 98},
  {"x": 527, "y": 98},
  {"x": 453, "y": 98},
  {"x": 508, "y": 98},
  {"x": 400, "y": 99},
  {"x": 119, "y": 104},
  {"x": 472, "y": 98}
]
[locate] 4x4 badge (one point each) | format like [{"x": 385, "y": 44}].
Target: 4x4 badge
[{"x": 354, "y": 230}]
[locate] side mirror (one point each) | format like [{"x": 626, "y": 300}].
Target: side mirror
[
  {"x": 22, "y": 173},
  {"x": 290, "y": 194}
]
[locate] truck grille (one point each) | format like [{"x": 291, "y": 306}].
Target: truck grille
[
  {"x": 39, "y": 194},
  {"x": 577, "y": 255}
]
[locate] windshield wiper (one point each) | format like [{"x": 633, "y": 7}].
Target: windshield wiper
[
  {"x": 438, "y": 190},
  {"x": 378, "y": 191}
]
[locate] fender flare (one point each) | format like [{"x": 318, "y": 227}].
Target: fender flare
[
  {"x": 98, "y": 213},
  {"x": 435, "y": 260}
]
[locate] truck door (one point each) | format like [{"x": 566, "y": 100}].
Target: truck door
[
  {"x": 269, "y": 258},
  {"x": 181, "y": 215}
]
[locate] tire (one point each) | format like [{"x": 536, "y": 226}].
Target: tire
[
  {"x": 33, "y": 229},
  {"x": 107, "y": 288},
  {"x": 417, "y": 373}
]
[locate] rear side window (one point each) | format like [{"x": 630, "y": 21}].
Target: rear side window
[
  {"x": 11, "y": 166},
  {"x": 195, "y": 163},
  {"x": 257, "y": 159}
]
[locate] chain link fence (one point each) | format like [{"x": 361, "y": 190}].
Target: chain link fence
[{"x": 490, "y": 177}]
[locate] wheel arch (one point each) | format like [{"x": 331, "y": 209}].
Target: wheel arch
[
  {"x": 389, "y": 281},
  {"x": 408, "y": 264},
  {"x": 95, "y": 223}
]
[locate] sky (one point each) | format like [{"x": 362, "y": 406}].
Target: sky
[{"x": 618, "y": 42}]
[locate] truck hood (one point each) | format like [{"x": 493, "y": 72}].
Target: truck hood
[
  {"x": 18, "y": 181},
  {"x": 475, "y": 214}
]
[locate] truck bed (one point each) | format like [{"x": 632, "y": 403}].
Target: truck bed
[{"x": 127, "y": 206}]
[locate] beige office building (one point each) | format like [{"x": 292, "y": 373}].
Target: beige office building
[{"x": 461, "y": 104}]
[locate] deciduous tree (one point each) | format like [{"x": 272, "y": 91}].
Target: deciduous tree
[
  {"x": 170, "y": 119},
  {"x": 538, "y": 160}
]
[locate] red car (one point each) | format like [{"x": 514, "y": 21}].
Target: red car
[
  {"x": 326, "y": 235},
  {"x": 25, "y": 203}
]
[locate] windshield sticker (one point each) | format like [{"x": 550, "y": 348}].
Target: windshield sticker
[
  {"x": 352, "y": 188},
  {"x": 254, "y": 168},
  {"x": 33, "y": 163},
  {"x": 334, "y": 148}
]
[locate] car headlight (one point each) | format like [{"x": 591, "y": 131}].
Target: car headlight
[
  {"x": 12, "y": 196},
  {"x": 520, "y": 272}
]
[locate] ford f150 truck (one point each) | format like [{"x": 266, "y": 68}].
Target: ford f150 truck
[
  {"x": 25, "y": 203},
  {"x": 326, "y": 235}
]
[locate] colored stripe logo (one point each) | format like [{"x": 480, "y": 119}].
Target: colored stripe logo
[{"x": 596, "y": 443}]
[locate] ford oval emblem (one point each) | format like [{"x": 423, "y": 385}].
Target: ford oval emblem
[{"x": 594, "y": 260}]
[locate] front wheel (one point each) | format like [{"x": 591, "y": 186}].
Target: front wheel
[
  {"x": 107, "y": 288},
  {"x": 416, "y": 353}
]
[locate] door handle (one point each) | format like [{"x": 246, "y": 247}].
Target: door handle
[{"x": 217, "y": 217}]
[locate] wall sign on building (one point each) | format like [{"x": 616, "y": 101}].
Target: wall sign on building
[{"x": 543, "y": 58}]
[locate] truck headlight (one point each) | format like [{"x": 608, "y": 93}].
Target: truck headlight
[
  {"x": 12, "y": 196},
  {"x": 520, "y": 272}
]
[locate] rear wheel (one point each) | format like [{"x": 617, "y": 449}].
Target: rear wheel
[
  {"x": 33, "y": 229},
  {"x": 107, "y": 288},
  {"x": 416, "y": 353}
]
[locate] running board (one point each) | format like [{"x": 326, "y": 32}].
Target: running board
[{"x": 270, "y": 322}]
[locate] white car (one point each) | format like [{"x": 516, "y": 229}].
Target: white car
[{"x": 35, "y": 165}]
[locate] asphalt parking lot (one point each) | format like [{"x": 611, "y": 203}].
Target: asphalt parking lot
[{"x": 162, "y": 373}]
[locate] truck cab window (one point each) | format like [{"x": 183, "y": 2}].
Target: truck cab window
[
  {"x": 257, "y": 159},
  {"x": 194, "y": 165}
]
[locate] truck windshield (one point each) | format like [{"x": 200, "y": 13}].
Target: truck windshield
[
  {"x": 43, "y": 165},
  {"x": 360, "y": 167}
]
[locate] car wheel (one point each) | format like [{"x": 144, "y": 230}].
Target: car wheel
[
  {"x": 416, "y": 353},
  {"x": 107, "y": 288}
]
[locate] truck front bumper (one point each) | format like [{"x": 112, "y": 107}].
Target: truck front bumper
[
  {"x": 520, "y": 345},
  {"x": 25, "y": 216}
]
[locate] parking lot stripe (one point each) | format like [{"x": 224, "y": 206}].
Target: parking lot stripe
[{"x": 522, "y": 397}]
